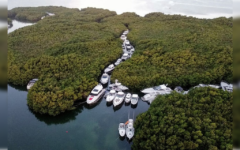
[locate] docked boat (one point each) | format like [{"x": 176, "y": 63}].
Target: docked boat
[
  {"x": 118, "y": 86},
  {"x": 179, "y": 89},
  {"x": 149, "y": 97},
  {"x": 130, "y": 129},
  {"x": 227, "y": 87},
  {"x": 125, "y": 32},
  {"x": 123, "y": 37},
  {"x": 109, "y": 68},
  {"x": 31, "y": 83},
  {"x": 104, "y": 79},
  {"x": 118, "y": 99},
  {"x": 128, "y": 98},
  {"x": 122, "y": 129},
  {"x": 125, "y": 56},
  {"x": 128, "y": 47},
  {"x": 161, "y": 89},
  {"x": 111, "y": 95},
  {"x": 118, "y": 62},
  {"x": 97, "y": 92},
  {"x": 207, "y": 85},
  {"x": 132, "y": 49},
  {"x": 134, "y": 99},
  {"x": 126, "y": 42}
]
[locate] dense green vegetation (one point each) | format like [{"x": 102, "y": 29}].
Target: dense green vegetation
[
  {"x": 200, "y": 120},
  {"x": 177, "y": 50},
  {"x": 9, "y": 21},
  {"x": 66, "y": 52}
]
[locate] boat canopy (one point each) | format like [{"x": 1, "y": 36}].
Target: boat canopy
[{"x": 112, "y": 91}]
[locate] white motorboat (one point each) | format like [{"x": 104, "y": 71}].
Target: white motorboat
[
  {"x": 125, "y": 32},
  {"x": 179, "y": 89},
  {"x": 122, "y": 129},
  {"x": 227, "y": 87},
  {"x": 109, "y": 68},
  {"x": 128, "y": 47},
  {"x": 118, "y": 86},
  {"x": 118, "y": 99},
  {"x": 132, "y": 49},
  {"x": 111, "y": 95},
  {"x": 161, "y": 89},
  {"x": 149, "y": 97},
  {"x": 130, "y": 129},
  {"x": 207, "y": 85},
  {"x": 125, "y": 56},
  {"x": 128, "y": 98},
  {"x": 104, "y": 79},
  {"x": 134, "y": 99},
  {"x": 126, "y": 42},
  {"x": 31, "y": 83},
  {"x": 118, "y": 62},
  {"x": 123, "y": 37},
  {"x": 97, "y": 92}
]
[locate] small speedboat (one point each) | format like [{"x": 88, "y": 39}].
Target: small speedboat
[
  {"x": 118, "y": 99},
  {"x": 104, "y": 79},
  {"x": 125, "y": 56},
  {"x": 97, "y": 92},
  {"x": 161, "y": 89},
  {"x": 123, "y": 37},
  {"x": 110, "y": 97},
  {"x": 126, "y": 42},
  {"x": 109, "y": 68},
  {"x": 130, "y": 129},
  {"x": 128, "y": 98},
  {"x": 31, "y": 83},
  {"x": 118, "y": 62},
  {"x": 128, "y": 47},
  {"x": 134, "y": 99},
  {"x": 227, "y": 87},
  {"x": 122, "y": 129}
]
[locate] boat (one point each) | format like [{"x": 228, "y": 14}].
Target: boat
[
  {"x": 128, "y": 47},
  {"x": 104, "y": 79},
  {"x": 109, "y": 68},
  {"x": 118, "y": 62},
  {"x": 130, "y": 129},
  {"x": 161, "y": 89},
  {"x": 226, "y": 87},
  {"x": 132, "y": 49},
  {"x": 123, "y": 37},
  {"x": 125, "y": 32},
  {"x": 122, "y": 129},
  {"x": 125, "y": 56},
  {"x": 118, "y": 99},
  {"x": 31, "y": 83},
  {"x": 97, "y": 92},
  {"x": 111, "y": 95},
  {"x": 128, "y": 98},
  {"x": 118, "y": 86},
  {"x": 126, "y": 42},
  {"x": 134, "y": 99},
  {"x": 149, "y": 97},
  {"x": 207, "y": 85}
]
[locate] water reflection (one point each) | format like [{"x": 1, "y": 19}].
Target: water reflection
[{"x": 18, "y": 87}]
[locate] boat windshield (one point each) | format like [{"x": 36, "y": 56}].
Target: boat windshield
[
  {"x": 119, "y": 95},
  {"x": 104, "y": 77},
  {"x": 158, "y": 88}
]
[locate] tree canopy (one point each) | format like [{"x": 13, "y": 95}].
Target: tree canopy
[{"x": 201, "y": 120}]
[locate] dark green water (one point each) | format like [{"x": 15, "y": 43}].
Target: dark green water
[{"x": 88, "y": 128}]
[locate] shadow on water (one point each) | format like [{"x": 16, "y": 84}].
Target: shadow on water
[
  {"x": 59, "y": 119},
  {"x": 134, "y": 106},
  {"x": 121, "y": 138},
  {"x": 108, "y": 104},
  {"x": 18, "y": 87}
]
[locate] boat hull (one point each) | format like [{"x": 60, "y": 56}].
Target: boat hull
[
  {"x": 117, "y": 102},
  {"x": 91, "y": 99}
]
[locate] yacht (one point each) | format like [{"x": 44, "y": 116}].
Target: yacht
[
  {"x": 97, "y": 92},
  {"x": 125, "y": 56},
  {"x": 118, "y": 86},
  {"x": 31, "y": 83},
  {"x": 130, "y": 129},
  {"x": 118, "y": 62},
  {"x": 111, "y": 96},
  {"x": 161, "y": 89},
  {"x": 109, "y": 68},
  {"x": 104, "y": 79},
  {"x": 118, "y": 99},
  {"x": 134, "y": 99},
  {"x": 123, "y": 37},
  {"x": 128, "y": 98},
  {"x": 149, "y": 97},
  {"x": 227, "y": 87},
  {"x": 122, "y": 129}
]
